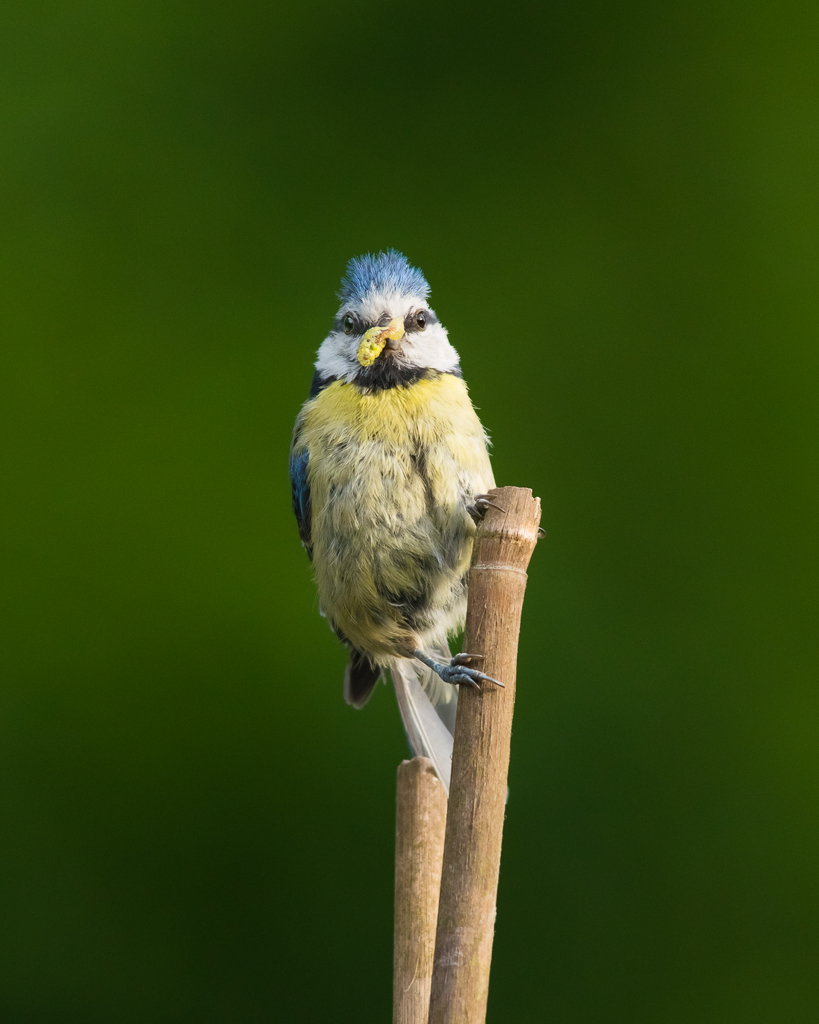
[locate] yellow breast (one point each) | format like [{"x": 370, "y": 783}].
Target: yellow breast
[{"x": 424, "y": 413}]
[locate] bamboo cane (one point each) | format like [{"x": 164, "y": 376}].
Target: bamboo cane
[
  {"x": 420, "y": 821},
  {"x": 480, "y": 762}
]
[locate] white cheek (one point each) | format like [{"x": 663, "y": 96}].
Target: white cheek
[
  {"x": 431, "y": 348},
  {"x": 337, "y": 355}
]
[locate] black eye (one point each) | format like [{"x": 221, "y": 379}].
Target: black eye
[
  {"x": 349, "y": 323},
  {"x": 420, "y": 319}
]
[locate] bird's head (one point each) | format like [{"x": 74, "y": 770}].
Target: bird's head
[{"x": 384, "y": 326}]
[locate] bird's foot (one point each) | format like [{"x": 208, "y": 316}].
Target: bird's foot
[
  {"x": 480, "y": 506},
  {"x": 457, "y": 672}
]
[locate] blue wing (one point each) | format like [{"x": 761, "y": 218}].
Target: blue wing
[{"x": 301, "y": 495}]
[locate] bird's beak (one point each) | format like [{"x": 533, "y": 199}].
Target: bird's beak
[{"x": 377, "y": 339}]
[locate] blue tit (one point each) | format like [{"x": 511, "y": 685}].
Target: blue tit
[{"x": 389, "y": 469}]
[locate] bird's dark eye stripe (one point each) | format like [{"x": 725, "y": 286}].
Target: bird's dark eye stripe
[
  {"x": 410, "y": 324},
  {"x": 359, "y": 325}
]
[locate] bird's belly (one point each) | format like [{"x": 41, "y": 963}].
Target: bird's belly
[{"x": 392, "y": 542}]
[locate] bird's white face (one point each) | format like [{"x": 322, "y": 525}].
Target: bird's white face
[{"x": 385, "y": 326}]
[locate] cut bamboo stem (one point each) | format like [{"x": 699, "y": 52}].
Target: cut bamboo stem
[
  {"x": 420, "y": 822},
  {"x": 480, "y": 761}
]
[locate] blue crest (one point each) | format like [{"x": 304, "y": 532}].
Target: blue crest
[{"x": 388, "y": 271}]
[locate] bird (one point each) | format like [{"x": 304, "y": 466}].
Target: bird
[{"x": 390, "y": 470}]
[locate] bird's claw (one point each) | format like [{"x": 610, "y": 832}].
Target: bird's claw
[
  {"x": 478, "y": 510},
  {"x": 456, "y": 671},
  {"x": 459, "y": 675}
]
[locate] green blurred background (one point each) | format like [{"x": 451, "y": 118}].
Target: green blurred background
[{"x": 617, "y": 208}]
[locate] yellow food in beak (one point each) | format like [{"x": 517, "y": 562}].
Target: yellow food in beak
[{"x": 374, "y": 340}]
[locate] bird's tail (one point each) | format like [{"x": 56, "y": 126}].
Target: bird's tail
[{"x": 427, "y": 707}]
